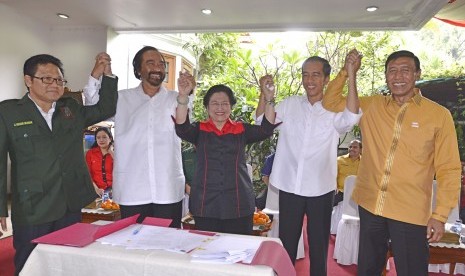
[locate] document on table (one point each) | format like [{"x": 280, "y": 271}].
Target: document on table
[
  {"x": 139, "y": 236},
  {"x": 227, "y": 249}
]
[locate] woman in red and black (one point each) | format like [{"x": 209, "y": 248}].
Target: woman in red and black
[
  {"x": 222, "y": 198},
  {"x": 100, "y": 160}
]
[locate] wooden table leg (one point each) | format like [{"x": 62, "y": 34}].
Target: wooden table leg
[{"x": 451, "y": 268}]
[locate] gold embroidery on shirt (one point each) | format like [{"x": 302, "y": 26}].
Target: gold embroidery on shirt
[{"x": 390, "y": 160}]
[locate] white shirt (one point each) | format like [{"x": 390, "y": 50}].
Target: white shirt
[
  {"x": 47, "y": 115},
  {"x": 306, "y": 155},
  {"x": 148, "y": 164}
]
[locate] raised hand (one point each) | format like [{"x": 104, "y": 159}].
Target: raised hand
[
  {"x": 267, "y": 87},
  {"x": 186, "y": 83},
  {"x": 353, "y": 61},
  {"x": 102, "y": 65}
]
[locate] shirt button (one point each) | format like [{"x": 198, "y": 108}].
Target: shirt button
[{"x": 25, "y": 135}]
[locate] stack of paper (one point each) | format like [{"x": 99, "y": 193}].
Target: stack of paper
[
  {"x": 227, "y": 249},
  {"x": 155, "y": 237}
]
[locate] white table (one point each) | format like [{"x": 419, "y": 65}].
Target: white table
[{"x": 98, "y": 259}]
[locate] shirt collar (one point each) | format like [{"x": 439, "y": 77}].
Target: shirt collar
[
  {"x": 229, "y": 122},
  {"x": 161, "y": 91},
  {"x": 40, "y": 109},
  {"x": 315, "y": 105},
  {"x": 416, "y": 99}
]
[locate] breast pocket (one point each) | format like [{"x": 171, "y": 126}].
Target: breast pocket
[
  {"x": 25, "y": 137},
  {"x": 420, "y": 142}
]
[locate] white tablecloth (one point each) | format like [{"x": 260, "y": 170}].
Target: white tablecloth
[{"x": 98, "y": 259}]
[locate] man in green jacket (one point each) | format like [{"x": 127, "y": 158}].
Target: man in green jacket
[{"x": 42, "y": 133}]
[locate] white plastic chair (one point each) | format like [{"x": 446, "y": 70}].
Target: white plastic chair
[
  {"x": 272, "y": 208},
  {"x": 336, "y": 216},
  {"x": 347, "y": 237}
]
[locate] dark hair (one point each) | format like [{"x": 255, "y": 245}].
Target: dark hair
[
  {"x": 326, "y": 66},
  {"x": 104, "y": 129},
  {"x": 31, "y": 64},
  {"x": 137, "y": 61},
  {"x": 399, "y": 54},
  {"x": 216, "y": 89}
]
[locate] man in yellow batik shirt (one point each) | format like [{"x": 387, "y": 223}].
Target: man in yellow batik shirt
[
  {"x": 347, "y": 165},
  {"x": 408, "y": 139}
]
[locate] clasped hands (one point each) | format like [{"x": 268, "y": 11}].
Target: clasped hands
[
  {"x": 353, "y": 61},
  {"x": 267, "y": 88},
  {"x": 186, "y": 83},
  {"x": 102, "y": 66}
]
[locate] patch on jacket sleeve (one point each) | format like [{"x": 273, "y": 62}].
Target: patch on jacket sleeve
[{"x": 67, "y": 113}]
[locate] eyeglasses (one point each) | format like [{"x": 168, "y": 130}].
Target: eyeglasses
[
  {"x": 50, "y": 80},
  {"x": 217, "y": 105}
]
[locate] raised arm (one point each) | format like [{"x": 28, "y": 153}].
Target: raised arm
[
  {"x": 102, "y": 67},
  {"x": 266, "y": 100},
  {"x": 352, "y": 65},
  {"x": 333, "y": 100},
  {"x": 186, "y": 84}
]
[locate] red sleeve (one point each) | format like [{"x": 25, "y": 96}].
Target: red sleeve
[{"x": 88, "y": 159}]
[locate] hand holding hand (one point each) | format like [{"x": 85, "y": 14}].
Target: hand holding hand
[
  {"x": 102, "y": 65},
  {"x": 186, "y": 83},
  {"x": 267, "y": 87},
  {"x": 353, "y": 61},
  {"x": 434, "y": 230}
]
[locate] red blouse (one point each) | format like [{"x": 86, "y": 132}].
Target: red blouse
[{"x": 100, "y": 167}]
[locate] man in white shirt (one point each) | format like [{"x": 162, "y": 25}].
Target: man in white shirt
[
  {"x": 148, "y": 175},
  {"x": 305, "y": 167}
]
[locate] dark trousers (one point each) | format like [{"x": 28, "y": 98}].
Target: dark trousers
[
  {"x": 168, "y": 211},
  {"x": 338, "y": 197},
  {"x": 408, "y": 243},
  {"x": 23, "y": 234},
  {"x": 242, "y": 225},
  {"x": 292, "y": 209},
  {"x": 462, "y": 214}
]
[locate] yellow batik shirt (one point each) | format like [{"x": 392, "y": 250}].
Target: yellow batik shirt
[
  {"x": 345, "y": 167},
  {"x": 404, "y": 147}
]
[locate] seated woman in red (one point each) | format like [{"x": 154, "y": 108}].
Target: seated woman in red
[
  {"x": 100, "y": 160},
  {"x": 222, "y": 197}
]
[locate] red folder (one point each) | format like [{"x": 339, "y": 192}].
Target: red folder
[
  {"x": 82, "y": 234},
  {"x": 272, "y": 254},
  {"x": 157, "y": 221}
]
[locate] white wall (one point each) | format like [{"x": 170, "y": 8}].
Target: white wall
[
  {"x": 22, "y": 38},
  {"x": 77, "y": 48}
]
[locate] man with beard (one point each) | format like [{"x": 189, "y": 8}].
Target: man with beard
[{"x": 148, "y": 175}]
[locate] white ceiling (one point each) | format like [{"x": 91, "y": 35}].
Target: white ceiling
[{"x": 233, "y": 15}]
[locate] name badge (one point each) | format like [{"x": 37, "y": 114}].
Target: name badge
[{"x": 18, "y": 124}]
